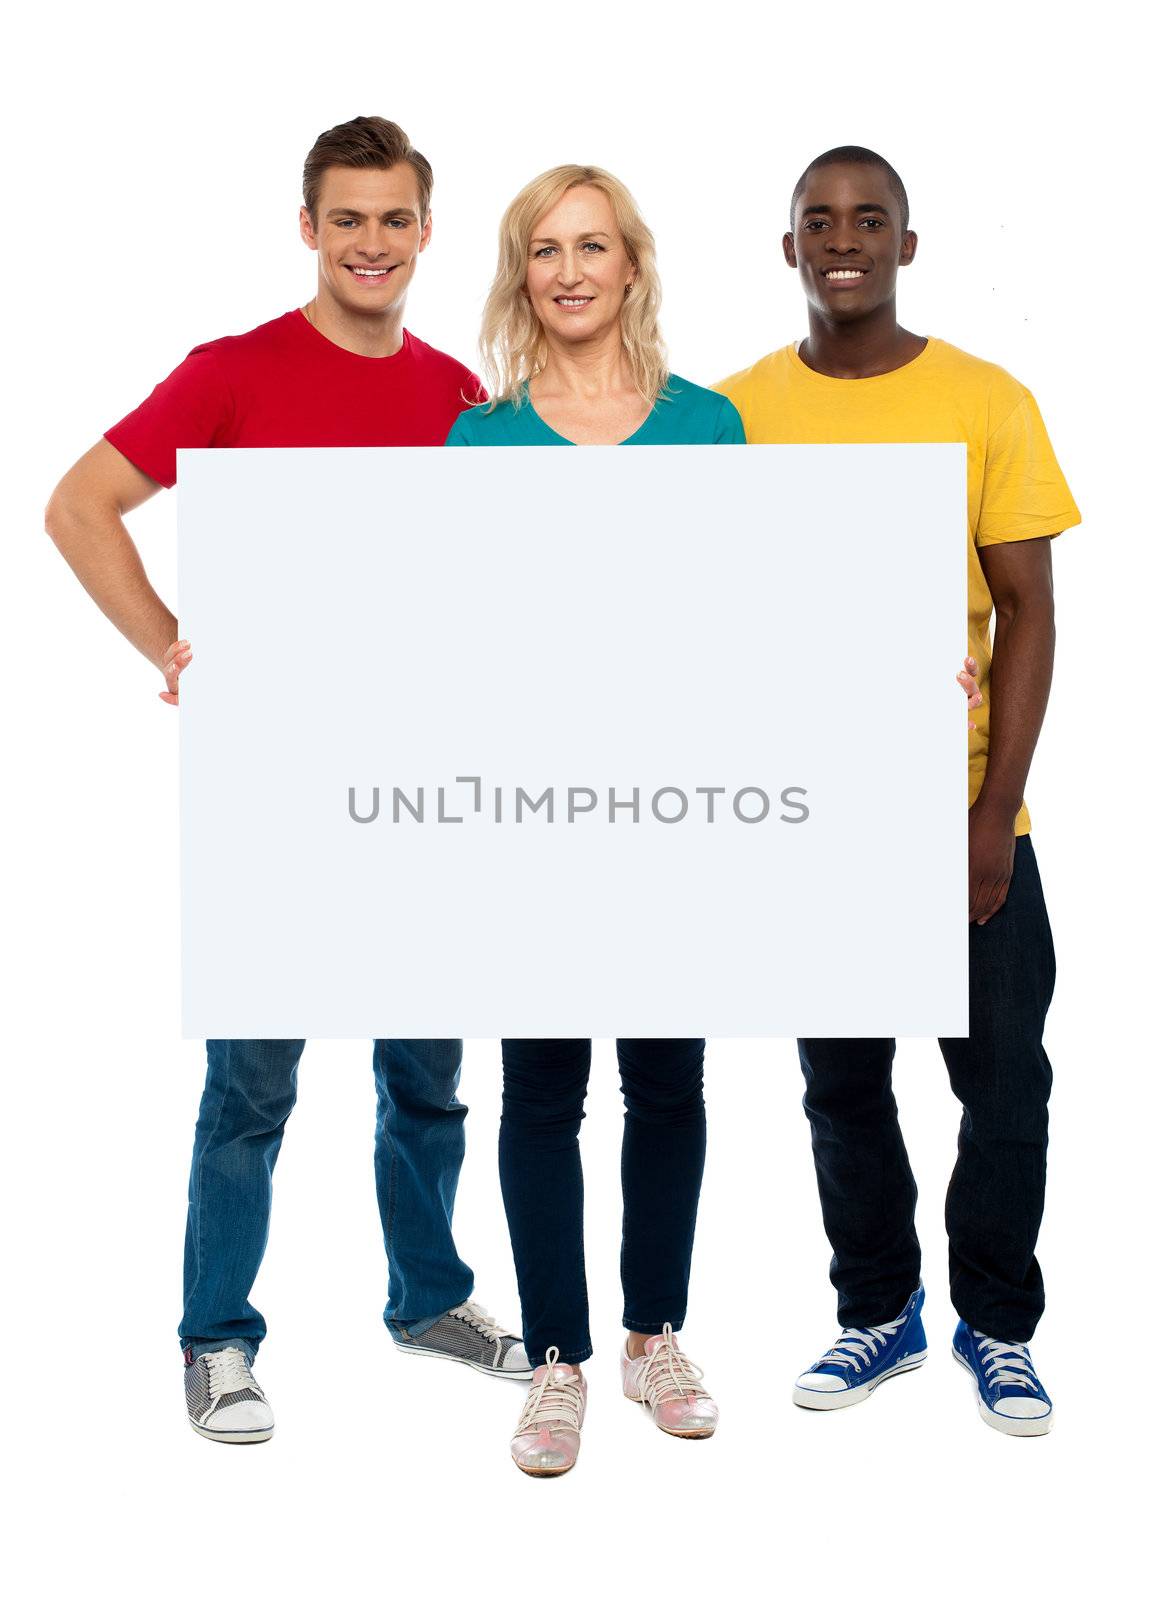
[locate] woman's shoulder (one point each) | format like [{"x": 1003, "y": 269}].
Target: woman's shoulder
[
  {"x": 703, "y": 407},
  {"x": 683, "y": 391},
  {"x": 486, "y": 424},
  {"x": 468, "y": 427}
]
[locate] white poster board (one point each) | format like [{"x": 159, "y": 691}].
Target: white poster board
[{"x": 655, "y": 742}]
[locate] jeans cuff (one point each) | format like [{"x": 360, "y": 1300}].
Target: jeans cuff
[
  {"x": 201, "y": 1347},
  {"x": 1020, "y": 1331},
  {"x": 635, "y": 1326},
  {"x": 399, "y": 1330},
  {"x": 571, "y": 1358},
  {"x": 871, "y": 1313}
]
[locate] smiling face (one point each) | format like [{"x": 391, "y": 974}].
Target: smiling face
[
  {"x": 368, "y": 234},
  {"x": 848, "y": 241},
  {"x": 578, "y": 269}
]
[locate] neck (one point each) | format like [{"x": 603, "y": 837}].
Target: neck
[
  {"x": 864, "y": 348},
  {"x": 380, "y": 334},
  {"x": 590, "y": 368}
]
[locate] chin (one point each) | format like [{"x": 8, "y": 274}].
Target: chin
[
  {"x": 382, "y": 302},
  {"x": 836, "y": 312},
  {"x": 570, "y": 330}
]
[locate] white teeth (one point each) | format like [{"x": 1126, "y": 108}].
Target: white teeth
[
  {"x": 371, "y": 272},
  {"x": 844, "y": 273},
  {"x": 571, "y": 300}
]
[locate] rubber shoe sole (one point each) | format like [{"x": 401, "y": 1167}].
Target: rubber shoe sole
[
  {"x": 254, "y": 1436},
  {"x": 1018, "y": 1427},
  {"x": 544, "y": 1472},
  {"x": 836, "y": 1399},
  {"x": 462, "y": 1361}
]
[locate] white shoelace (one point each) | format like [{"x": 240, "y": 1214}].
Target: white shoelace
[
  {"x": 1006, "y": 1363},
  {"x": 481, "y": 1320},
  {"x": 228, "y": 1372},
  {"x": 859, "y": 1344},
  {"x": 556, "y": 1402},
  {"x": 667, "y": 1374}
]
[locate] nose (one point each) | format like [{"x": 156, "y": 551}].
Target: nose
[
  {"x": 375, "y": 242},
  {"x": 570, "y": 270},
  {"x": 840, "y": 240}
]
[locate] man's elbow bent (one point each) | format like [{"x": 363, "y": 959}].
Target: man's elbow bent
[
  {"x": 78, "y": 501},
  {"x": 56, "y": 517}
]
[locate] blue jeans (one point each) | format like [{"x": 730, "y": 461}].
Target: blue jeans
[
  {"x": 541, "y": 1173},
  {"x": 1001, "y": 1076},
  {"x": 247, "y": 1099}
]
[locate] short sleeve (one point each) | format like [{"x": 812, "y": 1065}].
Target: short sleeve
[
  {"x": 729, "y": 425},
  {"x": 190, "y": 410},
  {"x": 1024, "y": 495}
]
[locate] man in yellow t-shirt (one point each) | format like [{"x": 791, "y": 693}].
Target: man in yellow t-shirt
[{"x": 858, "y": 377}]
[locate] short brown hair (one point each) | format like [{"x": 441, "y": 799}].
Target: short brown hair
[{"x": 364, "y": 142}]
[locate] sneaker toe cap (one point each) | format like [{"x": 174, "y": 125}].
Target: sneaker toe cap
[
  {"x": 515, "y": 1360},
  {"x": 545, "y": 1452},
  {"x": 821, "y": 1382},
  {"x": 699, "y": 1415},
  {"x": 1022, "y": 1407},
  {"x": 248, "y": 1416}
]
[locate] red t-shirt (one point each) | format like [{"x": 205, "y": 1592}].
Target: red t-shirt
[{"x": 284, "y": 384}]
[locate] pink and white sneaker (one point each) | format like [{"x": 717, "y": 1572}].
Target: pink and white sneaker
[
  {"x": 546, "y": 1442},
  {"x": 664, "y": 1379}
]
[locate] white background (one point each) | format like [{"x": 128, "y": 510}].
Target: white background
[
  {"x": 151, "y": 185},
  {"x": 672, "y": 629}
]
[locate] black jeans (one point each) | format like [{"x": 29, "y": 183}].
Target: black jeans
[
  {"x": 994, "y": 1204},
  {"x": 664, "y": 1141}
]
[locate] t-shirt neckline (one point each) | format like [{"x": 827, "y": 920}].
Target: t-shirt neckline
[
  {"x": 878, "y": 377},
  {"x": 555, "y": 434},
  {"x": 352, "y": 355}
]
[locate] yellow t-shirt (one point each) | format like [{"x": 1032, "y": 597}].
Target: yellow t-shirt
[{"x": 1015, "y": 489}]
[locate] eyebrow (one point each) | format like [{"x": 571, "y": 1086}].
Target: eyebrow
[
  {"x": 824, "y": 211},
  {"x": 599, "y": 234},
  {"x": 346, "y": 211}
]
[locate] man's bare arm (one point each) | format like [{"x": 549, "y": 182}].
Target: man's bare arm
[
  {"x": 85, "y": 518},
  {"x": 1021, "y": 583}
]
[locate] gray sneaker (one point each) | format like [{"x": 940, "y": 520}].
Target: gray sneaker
[
  {"x": 469, "y": 1334},
  {"x": 224, "y": 1401}
]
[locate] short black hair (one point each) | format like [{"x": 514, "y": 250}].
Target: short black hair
[{"x": 855, "y": 155}]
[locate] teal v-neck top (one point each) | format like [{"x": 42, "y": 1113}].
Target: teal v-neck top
[{"x": 686, "y": 414}]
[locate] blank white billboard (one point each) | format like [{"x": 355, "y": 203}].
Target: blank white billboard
[{"x": 655, "y": 742}]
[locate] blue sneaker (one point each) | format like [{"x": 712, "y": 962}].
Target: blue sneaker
[
  {"x": 1010, "y": 1397},
  {"x": 861, "y": 1358}
]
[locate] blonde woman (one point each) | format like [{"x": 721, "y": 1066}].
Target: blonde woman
[
  {"x": 570, "y": 335},
  {"x": 572, "y": 345},
  {"x": 574, "y": 356}
]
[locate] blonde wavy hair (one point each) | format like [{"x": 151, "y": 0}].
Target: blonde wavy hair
[{"x": 512, "y": 344}]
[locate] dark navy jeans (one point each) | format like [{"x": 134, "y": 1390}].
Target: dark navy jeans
[
  {"x": 1001, "y": 1077},
  {"x": 664, "y": 1143},
  {"x": 247, "y": 1099}
]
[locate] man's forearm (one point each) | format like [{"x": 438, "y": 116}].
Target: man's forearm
[
  {"x": 99, "y": 549},
  {"x": 1020, "y": 675}
]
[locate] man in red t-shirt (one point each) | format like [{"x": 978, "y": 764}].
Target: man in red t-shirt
[{"x": 342, "y": 371}]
